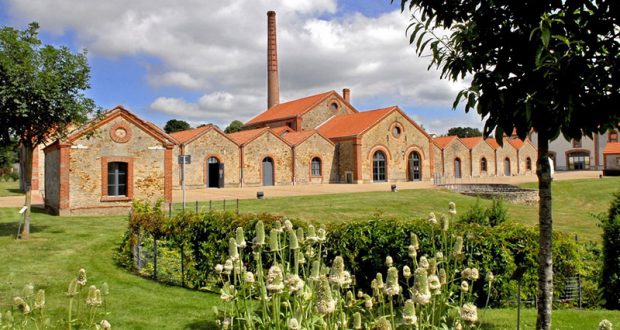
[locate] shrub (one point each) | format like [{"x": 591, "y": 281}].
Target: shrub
[
  {"x": 611, "y": 255},
  {"x": 508, "y": 250},
  {"x": 497, "y": 213},
  {"x": 494, "y": 215}
]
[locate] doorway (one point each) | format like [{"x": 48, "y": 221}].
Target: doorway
[
  {"x": 215, "y": 173},
  {"x": 268, "y": 172},
  {"x": 507, "y": 167}
]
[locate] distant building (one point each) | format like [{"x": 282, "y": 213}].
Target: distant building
[{"x": 317, "y": 139}]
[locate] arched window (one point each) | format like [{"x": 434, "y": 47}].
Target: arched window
[
  {"x": 415, "y": 166},
  {"x": 316, "y": 166},
  {"x": 528, "y": 164},
  {"x": 117, "y": 179},
  {"x": 457, "y": 167},
  {"x": 378, "y": 166},
  {"x": 483, "y": 164}
]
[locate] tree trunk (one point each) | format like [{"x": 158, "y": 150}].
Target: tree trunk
[
  {"x": 545, "y": 261},
  {"x": 27, "y": 181}
]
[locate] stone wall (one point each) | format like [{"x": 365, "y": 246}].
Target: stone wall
[
  {"x": 456, "y": 149},
  {"x": 507, "y": 151},
  {"x": 507, "y": 192},
  {"x": 346, "y": 160},
  {"x": 315, "y": 146},
  {"x": 267, "y": 145},
  {"x": 52, "y": 178},
  {"x": 87, "y": 167},
  {"x": 612, "y": 162},
  {"x": 324, "y": 111},
  {"x": 481, "y": 150},
  {"x": 210, "y": 144},
  {"x": 527, "y": 151},
  {"x": 397, "y": 149}
]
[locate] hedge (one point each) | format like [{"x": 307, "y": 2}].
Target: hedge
[{"x": 508, "y": 250}]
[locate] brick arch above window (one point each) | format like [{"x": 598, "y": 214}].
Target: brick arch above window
[
  {"x": 104, "y": 179},
  {"x": 378, "y": 147}
]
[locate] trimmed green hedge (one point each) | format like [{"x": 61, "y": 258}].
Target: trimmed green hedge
[
  {"x": 611, "y": 252},
  {"x": 508, "y": 250}
]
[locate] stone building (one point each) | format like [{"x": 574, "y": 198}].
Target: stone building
[
  {"x": 611, "y": 158},
  {"x": 107, "y": 164},
  {"x": 317, "y": 139}
]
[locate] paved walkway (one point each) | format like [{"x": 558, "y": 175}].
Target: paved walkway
[{"x": 192, "y": 195}]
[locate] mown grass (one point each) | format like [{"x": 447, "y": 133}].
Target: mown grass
[
  {"x": 10, "y": 188},
  {"x": 61, "y": 245},
  {"x": 574, "y": 203}
]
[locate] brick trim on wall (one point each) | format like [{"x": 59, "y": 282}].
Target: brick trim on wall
[
  {"x": 408, "y": 153},
  {"x": 34, "y": 180},
  {"x": 104, "y": 178},
  {"x": 65, "y": 159},
  {"x": 118, "y": 139},
  {"x": 167, "y": 174},
  {"x": 310, "y": 176}
]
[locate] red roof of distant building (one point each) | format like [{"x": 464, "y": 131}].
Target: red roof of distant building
[
  {"x": 471, "y": 142},
  {"x": 289, "y": 109},
  {"x": 246, "y": 136},
  {"x": 183, "y": 136},
  {"x": 493, "y": 143},
  {"x": 443, "y": 141},
  {"x": 612, "y": 148},
  {"x": 295, "y": 138},
  {"x": 281, "y": 129},
  {"x": 517, "y": 143},
  {"x": 353, "y": 124}
]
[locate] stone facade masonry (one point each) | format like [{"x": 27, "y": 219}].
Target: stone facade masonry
[
  {"x": 210, "y": 144},
  {"x": 507, "y": 152},
  {"x": 321, "y": 148},
  {"x": 527, "y": 151},
  {"x": 397, "y": 149},
  {"x": 480, "y": 151},
  {"x": 267, "y": 145},
  {"x": 323, "y": 112},
  {"x": 453, "y": 151}
]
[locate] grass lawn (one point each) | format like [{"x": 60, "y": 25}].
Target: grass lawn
[
  {"x": 61, "y": 245},
  {"x": 9, "y": 188},
  {"x": 574, "y": 203}
]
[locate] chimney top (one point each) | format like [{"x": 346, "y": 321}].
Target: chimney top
[
  {"x": 346, "y": 95},
  {"x": 271, "y": 13}
]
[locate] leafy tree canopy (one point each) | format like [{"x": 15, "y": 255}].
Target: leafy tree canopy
[
  {"x": 174, "y": 125},
  {"x": 41, "y": 87},
  {"x": 464, "y": 132},
  {"x": 234, "y": 126}
]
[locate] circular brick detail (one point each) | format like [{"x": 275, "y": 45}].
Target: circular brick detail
[{"x": 120, "y": 132}]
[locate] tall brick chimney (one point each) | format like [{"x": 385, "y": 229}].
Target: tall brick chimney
[
  {"x": 273, "y": 82},
  {"x": 346, "y": 95}
]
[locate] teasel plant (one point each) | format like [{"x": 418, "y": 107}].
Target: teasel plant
[{"x": 299, "y": 289}]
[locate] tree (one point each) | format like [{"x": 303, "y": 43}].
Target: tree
[
  {"x": 174, "y": 125},
  {"x": 41, "y": 94},
  {"x": 550, "y": 66},
  {"x": 464, "y": 132},
  {"x": 234, "y": 126}
]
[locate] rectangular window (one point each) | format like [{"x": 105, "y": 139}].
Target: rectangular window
[
  {"x": 612, "y": 136},
  {"x": 117, "y": 179}
]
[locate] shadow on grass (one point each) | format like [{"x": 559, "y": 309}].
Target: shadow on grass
[
  {"x": 203, "y": 324},
  {"x": 15, "y": 191},
  {"x": 10, "y": 228}
]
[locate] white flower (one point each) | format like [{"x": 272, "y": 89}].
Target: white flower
[
  {"x": 424, "y": 263},
  {"x": 605, "y": 325},
  {"x": 295, "y": 283},
  {"x": 406, "y": 272},
  {"x": 219, "y": 268},
  {"x": 249, "y": 277},
  {"x": 105, "y": 325},
  {"x": 452, "y": 208},
  {"x": 464, "y": 286},
  {"x": 469, "y": 313},
  {"x": 293, "y": 324},
  {"x": 389, "y": 261},
  {"x": 432, "y": 218}
]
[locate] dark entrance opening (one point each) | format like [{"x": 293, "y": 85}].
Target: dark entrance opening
[{"x": 215, "y": 173}]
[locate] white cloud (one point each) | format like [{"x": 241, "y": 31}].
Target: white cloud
[{"x": 219, "y": 48}]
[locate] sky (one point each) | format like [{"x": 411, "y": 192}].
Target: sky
[{"x": 205, "y": 61}]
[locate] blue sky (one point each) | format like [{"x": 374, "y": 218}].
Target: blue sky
[{"x": 205, "y": 62}]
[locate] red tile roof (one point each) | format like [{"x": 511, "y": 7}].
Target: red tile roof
[
  {"x": 472, "y": 142},
  {"x": 289, "y": 109},
  {"x": 281, "y": 129},
  {"x": 517, "y": 143},
  {"x": 493, "y": 143},
  {"x": 246, "y": 136},
  {"x": 295, "y": 138},
  {"x": 183, "y": 136},
  {"x": 443, "y": 141},
  {"x": 353, "y": 124},
  {"x": 612, "y": 148}
]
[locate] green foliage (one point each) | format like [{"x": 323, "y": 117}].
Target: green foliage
[
  {"x": 611, "y": 255},
  {"x": 494, "y": 215},
  {"x": 41, "y": 87},
  {"x": 175, "y": 125},
  {"x": 234, "y": 126},
  {"x": 508, "y": 250},
  {"x": 464, "y": 132},
  {"x": 8, "y": 156}
]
